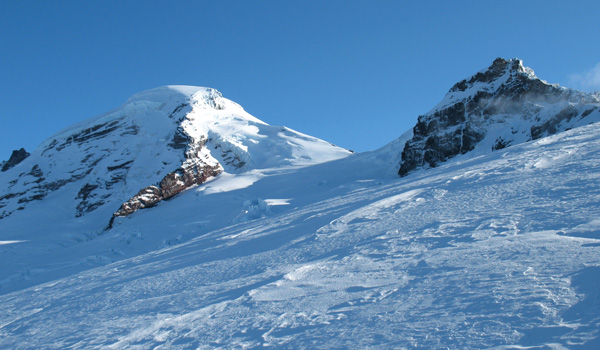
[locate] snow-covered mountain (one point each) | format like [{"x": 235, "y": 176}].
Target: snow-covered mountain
[
  {"x": 503, "y": 105},
  {"x": 276, "y": 239},
  {"x": 87, "y": 178},
  {"x": 158, "y": 144}
]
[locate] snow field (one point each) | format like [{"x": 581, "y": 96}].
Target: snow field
[{"x": 499, "y": 251}]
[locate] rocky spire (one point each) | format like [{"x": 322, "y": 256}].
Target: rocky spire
[{"x": 16, "y": 157}]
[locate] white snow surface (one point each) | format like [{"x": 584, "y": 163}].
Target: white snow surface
[
  {"x": 490, "y": 251},
  {"x": 67, "y": 190}
]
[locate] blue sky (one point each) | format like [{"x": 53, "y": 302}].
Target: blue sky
[{"x": 355, "y": 73}]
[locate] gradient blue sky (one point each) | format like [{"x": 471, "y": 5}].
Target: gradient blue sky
[{"x": 355, "y": 73}]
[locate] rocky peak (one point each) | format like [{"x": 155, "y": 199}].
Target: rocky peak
[
  {"x": 499, "y": 68},
  {"x": 500, "y": 106},
  {"x": 507, "y": 77},
  {"x": 16, "y": 157}
]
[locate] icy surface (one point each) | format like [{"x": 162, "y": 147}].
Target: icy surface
[{"x": 496, "y": 251}]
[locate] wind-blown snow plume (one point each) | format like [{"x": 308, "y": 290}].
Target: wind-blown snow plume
[{"x": 587, "y": 80}]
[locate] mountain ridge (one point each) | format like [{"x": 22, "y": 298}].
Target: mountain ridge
[{"x": 503, "y": 105}]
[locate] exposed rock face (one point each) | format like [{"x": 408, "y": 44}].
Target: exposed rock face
[
  {"x": 190, "y": 174},
  {"x": 501, "y": 106},
  {"x": 16, "y": 157},
  {"x": 444, "y": 136},
  {"x": 174, "y": 183},
  {"x": 48, "y": 176}
]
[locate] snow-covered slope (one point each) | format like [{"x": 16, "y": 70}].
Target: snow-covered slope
[
  {"x": 503, "y": 105},
  {"x": 500, "y": 251},
  {"x": 257, "y": 236}
]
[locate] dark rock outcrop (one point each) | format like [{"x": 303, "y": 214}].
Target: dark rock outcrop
[
  {"x": 172, "y": 184},
  {"x": 38, "y": 183},
  {"x": 550, "y": 126},
  {"x": 16, "y": 157},
  {"x": 505, "y": 93},
  {"x": 194, "y": 171},
  {"x": 36, "y": 187}
]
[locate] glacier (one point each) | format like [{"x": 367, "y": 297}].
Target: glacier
[{"x": 486, "y": 250}]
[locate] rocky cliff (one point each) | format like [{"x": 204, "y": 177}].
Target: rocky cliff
[
  {"x": 16, "y": 157},
  {"x": 500, "y": 106}
]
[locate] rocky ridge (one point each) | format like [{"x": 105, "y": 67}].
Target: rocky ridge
[
  {"x": 505, "y": 104},
  {"x": 16, "y": 157}
]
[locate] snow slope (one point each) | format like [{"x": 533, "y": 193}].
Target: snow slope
[
  {"x": 159, "y": 143},
  {"x": 496, "y": 251}
]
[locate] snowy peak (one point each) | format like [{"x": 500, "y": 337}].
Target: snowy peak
[
  {"x": 500, "y": 70},
  {"x": 503, "y": 105},
  {"x": 158, "y": 144},
  {"x": 507, "y": 79},
  {"x": 167, "y": 93}
]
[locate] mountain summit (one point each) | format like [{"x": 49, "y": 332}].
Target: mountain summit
[
  {"x": 504, "y": 105},
  {"x": 158, "y": 144}
]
